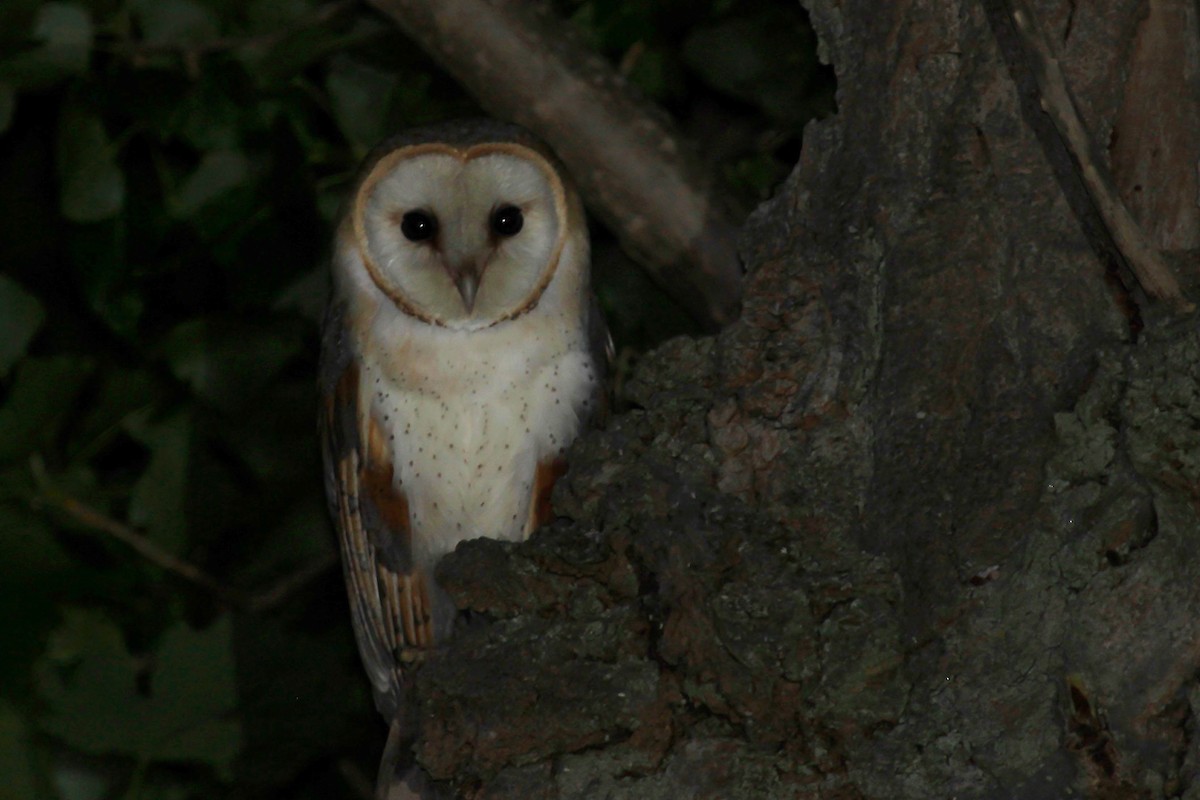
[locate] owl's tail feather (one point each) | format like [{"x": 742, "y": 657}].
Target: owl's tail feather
[{"x": 400, "y": 778}]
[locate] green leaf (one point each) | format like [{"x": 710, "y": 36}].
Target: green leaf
[
  {"x": 20, "y": 317},
  {"x": 38, "y": 572},
  {"x": 91, "y": 185},
  {"x": 16, "y": 759},
  {"x": 157, "y": 502},
  {"x": 196, "y": 682},
  {"x": 291, "y": 715},
  {"x": 31, "y": 553},
  {"x": 16, "y": 21},
  {"x": 307, "y": 295},
  {"x": 280, "y": 60},
  {"x": 227, "y": 363},
  {"x": 175, "y": 22},
  {"x": 271, "y": 15},
  {"x": 105, "y": 272},
  {"x": 75, "y": 780},
  {"x": 218, "y": 172},
  {"x": 121, "y": 395},
  {"x": 43, "y": 391},
  {"x": 361, "y": 97},
  {"x": 301, "y": 537},
  {"x": 89, "y": 682},
  {"x": 63, "y": 33},
  {"x": 209, "y": 116},
  {"x": 8, "y": 101},
  {"x": 262, "y": 433},
  {"x": 66, "y": 30}
]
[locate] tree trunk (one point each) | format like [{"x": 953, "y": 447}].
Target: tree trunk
[{"x": 922, "y": 523}]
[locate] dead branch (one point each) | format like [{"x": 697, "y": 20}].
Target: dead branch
[
  {"x": 1143, "y": 259},
  {"x": 526, "y": 65}
]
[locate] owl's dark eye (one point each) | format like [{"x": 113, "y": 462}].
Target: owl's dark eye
[
  {"x": 418, "y": 226},
  {"x": 508, "y": 221}
]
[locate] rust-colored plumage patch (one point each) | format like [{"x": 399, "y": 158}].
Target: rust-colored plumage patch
[
  {"x": 377, "y": 480},
  {"x": 548, "y": 473}
]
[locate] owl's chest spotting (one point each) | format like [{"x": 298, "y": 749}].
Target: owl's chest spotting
[{"x": 467, "y": 432}]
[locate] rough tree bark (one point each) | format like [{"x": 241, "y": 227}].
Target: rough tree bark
[{"x": 923, "y": 522}]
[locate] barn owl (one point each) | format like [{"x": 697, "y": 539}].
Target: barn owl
[{"x": 462, "y": 353}]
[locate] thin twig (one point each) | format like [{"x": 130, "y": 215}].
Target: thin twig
[
  {"x": 192, "y": 52},
  {"x": 94, "y": 519},
  {"x": 1143, "y": 259},
  {"x": 285, "y": 587}
]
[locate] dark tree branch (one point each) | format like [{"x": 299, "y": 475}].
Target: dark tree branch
[
  {"x": 1143, "y": 258},
  {"x": 526, "y": 65}
]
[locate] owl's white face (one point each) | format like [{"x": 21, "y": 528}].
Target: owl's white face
[{"x": 461, "y": 237}]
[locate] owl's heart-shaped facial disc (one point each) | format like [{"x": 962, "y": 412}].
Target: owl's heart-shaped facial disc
[{"x": 462, "y": 238}]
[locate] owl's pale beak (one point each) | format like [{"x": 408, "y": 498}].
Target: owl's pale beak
[{"x": 466, "y": 280}]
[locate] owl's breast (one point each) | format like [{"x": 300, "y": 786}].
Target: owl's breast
[{"x": 468, "y": 432}]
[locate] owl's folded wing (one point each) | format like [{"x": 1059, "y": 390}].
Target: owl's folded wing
[{"x": 390, "y": 601}]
